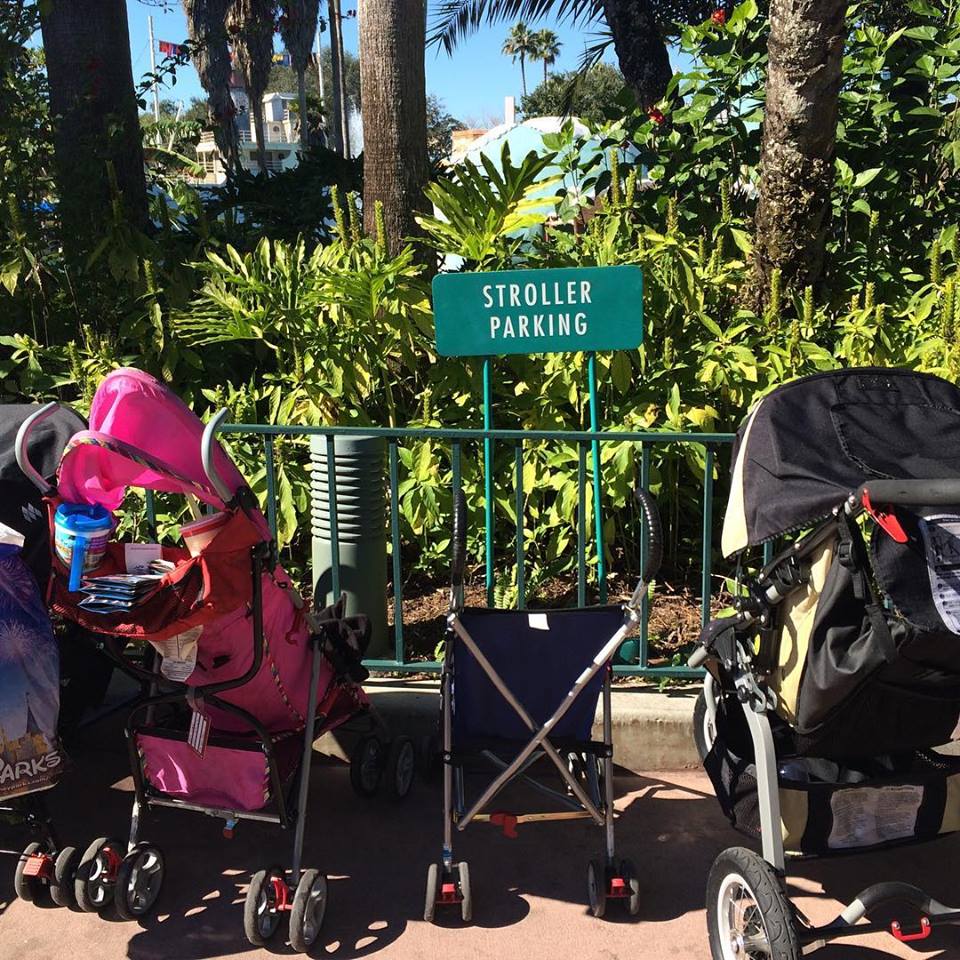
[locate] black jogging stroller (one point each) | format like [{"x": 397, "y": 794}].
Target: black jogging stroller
[
  {"x": 36, "y": 687},
  {"x": 521, "y": 686},
  {"x": 828, "y": 690}
]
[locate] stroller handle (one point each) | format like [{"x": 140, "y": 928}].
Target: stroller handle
[
  {"x": 919, "y": 493},
  {"x": 459, "y": 558},
  {"x": 206, "y": 455},
  {"x": 22, "y": 444},
  {"x": 651, "y": 517}
]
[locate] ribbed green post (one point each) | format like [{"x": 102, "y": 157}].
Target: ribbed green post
[
  {"x": 518, "y": 506},
  {"x": 488, "y": 474},
  {"x": 151, "y": 514},
  {"x": 595, "y": 446},
  {"x": 271, "y": 486},
  {"x": 398, "y": 650},
  {"x": 334, "y": 533}
]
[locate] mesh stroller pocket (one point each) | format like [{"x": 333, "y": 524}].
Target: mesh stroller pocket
[{"x": 917, "y": 799}]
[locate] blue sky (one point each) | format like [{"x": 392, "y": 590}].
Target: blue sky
[{"x": 473, "y": 82}]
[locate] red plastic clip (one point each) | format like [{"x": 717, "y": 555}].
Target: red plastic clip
[
  {"x": 281, "y": 893},
  {"x": 618, "y": 888},
  {"x": 507, "y": 821},
  {"x": 38, "y": 865},
  {"x": 448, "y": 894},
  {"x": 921, "y": 934},
  {"x": 886, "y": 519}
]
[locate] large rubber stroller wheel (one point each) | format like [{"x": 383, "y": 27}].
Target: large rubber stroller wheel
[
  {"x": 261, "y": 916},
  {"x": 401, "y": 767},
  {"x": 366, "y": 766},
  {"x": 748, "y": 913},
  {"x": 28, "y": 888},
  {"x": 139, "y": 879},
  {"x": 64, "y": 875},
  {"x": 704, "y": 732},
  {"x": 96, "y": 876},
  {"x": 308, "y": 910}
]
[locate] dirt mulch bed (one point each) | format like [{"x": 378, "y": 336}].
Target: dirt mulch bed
[{"x": 674, "y": 618}]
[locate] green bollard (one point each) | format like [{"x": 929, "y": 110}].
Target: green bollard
[{"x": 359, "y": 471}]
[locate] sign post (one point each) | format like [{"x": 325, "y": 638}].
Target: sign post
[{"x": 573, "y": 309}]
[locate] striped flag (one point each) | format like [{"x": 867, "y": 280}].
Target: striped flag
[{"x": 172, "y": 49}]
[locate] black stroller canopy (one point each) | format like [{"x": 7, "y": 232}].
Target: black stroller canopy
[{"x": 810, "y": 443}]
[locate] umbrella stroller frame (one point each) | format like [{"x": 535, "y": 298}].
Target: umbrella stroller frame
[
  {"x": 740, "y": 881},
  {"x": 590, "y": 794},
  {"x": 131, "y": 874}
]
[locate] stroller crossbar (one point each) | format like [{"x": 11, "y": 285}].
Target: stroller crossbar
[
  {"x": 527, "y": 683},
  {"x": 512, "y": 769},
  {"x": 540, "y": 735}
]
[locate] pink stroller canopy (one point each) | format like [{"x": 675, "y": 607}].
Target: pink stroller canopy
[{"x": 141, "y": 434}]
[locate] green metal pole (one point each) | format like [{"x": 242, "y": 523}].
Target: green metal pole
[
  {"x": 595, "y": 446},
  {"x": 398, "y": 647},
  {"x": 488, "y": 474}
]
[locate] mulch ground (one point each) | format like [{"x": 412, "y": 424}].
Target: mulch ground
[{"x": 674, "y": 623}]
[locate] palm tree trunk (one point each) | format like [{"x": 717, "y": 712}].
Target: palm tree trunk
[
  {"x": 256, "y": 108},
  {"x": 395, "y": 164},
  {"x": 544, "y": 71},
  {"x": 523, "y": 74},
  {"x": 799, "y": 138},
  {"x": 302, "y": 100},
  {"x": 641, "y": 49},
  {"x": 336, "y": 76},
  {"x": 96, "y": 125}
]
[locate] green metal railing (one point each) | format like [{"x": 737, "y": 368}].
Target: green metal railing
[{"x": 585, "y": 442}]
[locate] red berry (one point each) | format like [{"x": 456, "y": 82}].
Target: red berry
[
  {"x": 719, "y": 17},
  {"x": 656, "y": 115}
]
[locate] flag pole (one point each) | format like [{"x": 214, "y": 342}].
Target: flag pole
[{"x": 153, "y": 71}]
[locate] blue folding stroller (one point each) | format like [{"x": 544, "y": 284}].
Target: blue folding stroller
[{"x": 526, "y": 683}]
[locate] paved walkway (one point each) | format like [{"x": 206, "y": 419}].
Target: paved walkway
[{"x": 529, "y": 893}]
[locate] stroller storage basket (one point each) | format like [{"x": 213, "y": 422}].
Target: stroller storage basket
[
  {"x": 828, "y": 807},
  {"x": 231, "y": 774}
]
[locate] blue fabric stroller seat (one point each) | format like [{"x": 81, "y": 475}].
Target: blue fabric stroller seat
[{"x": 539, "y": 654}]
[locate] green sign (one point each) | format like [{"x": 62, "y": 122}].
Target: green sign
[{"x": 538, "y": 311}]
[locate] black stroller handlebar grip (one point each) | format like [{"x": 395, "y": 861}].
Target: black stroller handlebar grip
[
  {"x": 920, "y": 493},
  {"x": 651, "y": 517},
  {"x": 459, "y": 539}
]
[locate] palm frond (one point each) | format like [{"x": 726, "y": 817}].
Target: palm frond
[{"x": 456, "y": 19}]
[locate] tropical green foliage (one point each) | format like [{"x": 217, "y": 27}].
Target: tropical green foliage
[{"x": 287, "y": 323}]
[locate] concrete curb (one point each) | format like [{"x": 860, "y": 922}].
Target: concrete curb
[{"x": 652, "y": 730}]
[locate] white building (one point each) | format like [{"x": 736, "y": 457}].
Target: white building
[{"x": 281, "y": 132}]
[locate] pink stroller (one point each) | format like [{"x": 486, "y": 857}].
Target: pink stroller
[{"x": 242, "y": 677}]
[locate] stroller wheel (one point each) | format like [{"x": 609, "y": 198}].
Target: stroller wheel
[
  {"x": 430, "y": 900},
  {"x": 28, "y": 887},
  {"x": 704, "y": 732},
  {"x": 597, "y": 887},
  {"x": 64, "y": 874},
  {"x": 263, "y": 907},
  {"x": 96, "y": 876},
  {"x": 308, "y": 910},
  {"x": 401, "y": 766},
  {"x": 366, "y": 766},
  {"x": 139, "y": 879},
  {"x": 628, "y": 874},
  {"x": 466, "y": 894},
  {"x": 748, "y": 913},
  {"x": 429, "y": 757}
]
